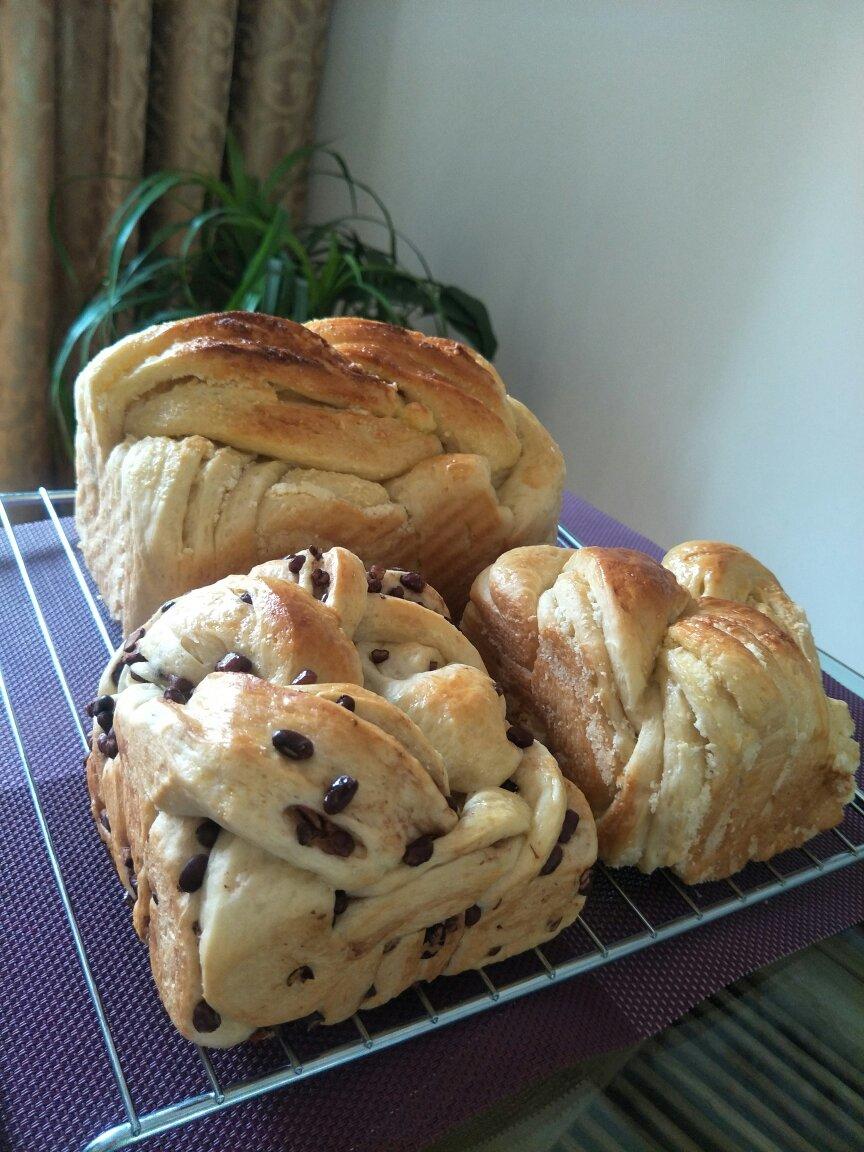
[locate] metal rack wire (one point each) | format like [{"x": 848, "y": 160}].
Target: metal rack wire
[{"x": 627, "y": 912}]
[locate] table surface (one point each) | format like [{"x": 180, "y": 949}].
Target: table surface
[{"x": 774, "y": 1063}]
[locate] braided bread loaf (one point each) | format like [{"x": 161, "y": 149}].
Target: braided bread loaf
[
  {"x": 691, "y": 713},
  {"x": 309, "y": 789},
  {"x": 207, "y": 445}
]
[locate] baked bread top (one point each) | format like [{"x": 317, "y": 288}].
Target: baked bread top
[{"x": 224, "y": 439}]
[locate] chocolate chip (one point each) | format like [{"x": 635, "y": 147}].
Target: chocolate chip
[
  {"x": 435, "y": 935},
  {"x": 205, "y": 1018},
  {"x": 107, "y": 744},
  {"x": 168, "y": 604},
  {"x": 346, "y": 702},
  {"x": 292, "y": 744},
  {"x": 105, "y": 720},
  {"x": 132, "y": 641},
  {"x": 175, "y": 696},
  {"x": 234, "y": 662},
  {"x": 370, "y": 992},
  {"x": 373, "y": 584},
  {"x": 434, "y": 665},
  {"x": 379, "y": 655},
  {"x": 307, "y": 676},
  {"x": 132, "y": 658},
  {"x": 398, "y": 592},
  {"x": 300, "y": 975},
  {"x": 192, "y": 876},
  {"x": 104, "y": 821},
  {"x": 246, "y": 597},
  {"x": 520, "y": 736},
  {"x": 472, "y": 915},
  {"x": 207, "y": 833},
  {"x": 320, "y": 582},
  {"x": 338, "y": 843},
  {"x": 510, "y": 786},
  {"x": 316, "y": 553},
  {"x": 295, "y": 563},
  {"x": 340, "y": 794},
  {"x": 307, "y": 830},
  {"x": 376, "y": 571},
  {"x": 585, "y": 881},
  {"x": 340, "y": 902},
  {"x": 552, "y": 861},
  {"x": 182, "y": 685},
  {"x": 494, "y": 951},
  {"x": 413, "y": 581},
  {"x": 553, "y": 925},
  {"x": 569, "y": 826},
  {"x": 451, "y": 803},
  {"x": 418, "y": 851},
  {"x": 100, "y": 704},
  {"x": 451, "y": 923}
]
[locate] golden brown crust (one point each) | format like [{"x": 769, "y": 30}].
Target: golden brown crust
[
  {"x": 235, "y": 710},
  {"x": 207, "y": 445},
  {"x": 697, "y": 728}
]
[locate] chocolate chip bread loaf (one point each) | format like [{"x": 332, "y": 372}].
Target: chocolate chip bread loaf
[
  {"x": 207, "y": 445},
  {"x": 690, "y": 711},
  {"x": 310, "y": 792}
]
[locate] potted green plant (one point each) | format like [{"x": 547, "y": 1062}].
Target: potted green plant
[{"x": 240, "y": 248}]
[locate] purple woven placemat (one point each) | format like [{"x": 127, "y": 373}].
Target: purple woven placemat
[{"x": 56, "y": 1088}]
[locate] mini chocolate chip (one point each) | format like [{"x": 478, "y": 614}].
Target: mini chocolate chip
[
  {"x": 370, "y": 992},
  {"x": 207, "y": 833},
  {"x": 373, "y": 584},
  {"x": 379, "y": 655},
  {"x": 192, "y": 876},
  {"x": 105, "y": 720},
  {"x": 552, "y": 861},
  {"x": 205, "y": 1018},
  {"x": 132, "y": 641},
  {"x": 307, "y": 676},
  {"x": 472, "y": 915},
  {"x": 346, "y": 702},
  {"x": 320, "y": 581},
  {"x": 339, "y": 795},
  {"x": 234, "y": 662},
  {"x": 418, "y": 851},
  {"x": 132, "y": 658},
  {"x": 498, "y": 689},
  {"x": 398, "y": 592},
  {"x": 340, "y": 902},
  {"x": 181, "y": 684},
  {"x": 585, "y": 881},
  {"x": 102, "y": 704},
  {"x": 196, "y": 927},
  {"x": 510, "y": 786},
  {"x": 107, "y": 744},
  {"x": 390, "y": 945},
  {"x": 292, "y": 744},
  {"x": 520, "y": 736},
  {"x": 434, "y": 665},
  {"x": 413, "y": 581},
  {"x": 553, "y": 925},
  {"x": 451, "y": 803},
  {"x": 300, "y": 975},
  {"x": 338, "y": 843},
  {"x": 494, "y": 951},
  {"x": 435, "y": 935},
  {"x": 246, "y": 597},
  {"x": 104, "y": 821},
  {"x": 314, "y": 552},
  {"x": 569, "y": 826},
  {"x": 295, "y": 563},
  {"x": 168, "y": 604},
  {"x": 175, "y": 696}
]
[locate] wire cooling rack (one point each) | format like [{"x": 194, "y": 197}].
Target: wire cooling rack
[{"x": 626, "y": 911}]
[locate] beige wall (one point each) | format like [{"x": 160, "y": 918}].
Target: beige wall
[{"x": 663, "y": 206}]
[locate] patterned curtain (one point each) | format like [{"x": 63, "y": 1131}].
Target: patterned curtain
[{"x": 121, "y": 88}]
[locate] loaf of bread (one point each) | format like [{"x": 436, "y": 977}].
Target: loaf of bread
[
  {"x": 684, "y": 699},
  {"x": 208, "y": 445},
  {"x": 311, "y": 794}
]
